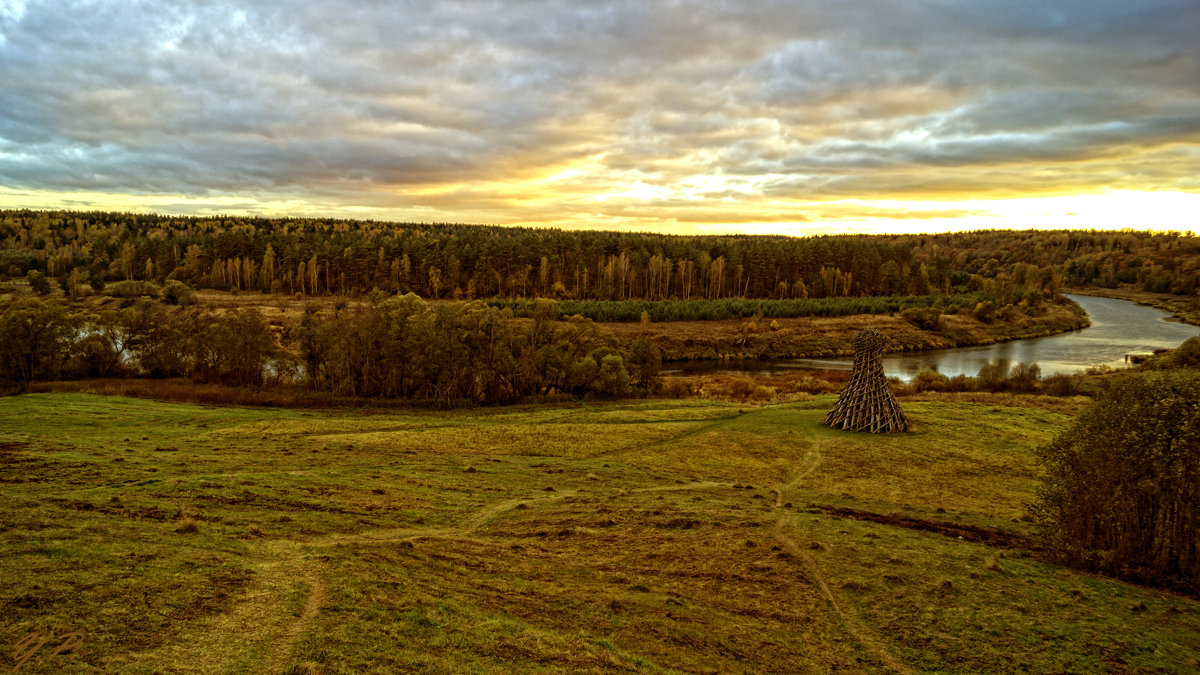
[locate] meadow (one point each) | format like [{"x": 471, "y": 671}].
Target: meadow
[{"x": 647, "y": 536}]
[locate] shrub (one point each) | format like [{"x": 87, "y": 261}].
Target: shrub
[
  {"x": 761, "y": 393},
  {"x": 176, "y": 292},
  {"x": 985, "y": 311},
  {"x": 961, "y": 383},
  {"x": 899, "y": 387},
  {"x": 739, "y": 388},
  {"x": 1121, "y": 492},
  {"x": 992, "y": 376},
  {"x": 675, "y": 387},
  {"x": 1188, "y": 353},
  {"x": 38, "y": 282},
  {"x": 187, "y": 525},
  {"x": 35, "y": 338},
  {"x": 1024, "y": 377},
  {"x": 1060, "y": 385},
  {"x": 612, "y": 379},
  {"x": 645, "y": 360},
  {"x": 925, "y": 318},
  {"x": 133, "y": 289},
  {"x": 808, "y": 384},
  {"x": 930, "y": 380}
]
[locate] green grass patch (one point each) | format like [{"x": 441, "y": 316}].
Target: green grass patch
[
  {"x": 740, "y": 308},
  {"x": 652, "y": 536}
]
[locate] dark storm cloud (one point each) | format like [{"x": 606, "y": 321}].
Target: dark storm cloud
[{"x": 365, "y": 102}]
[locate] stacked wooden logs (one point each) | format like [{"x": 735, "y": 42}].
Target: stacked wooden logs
[{"x": 867, "y": 403}]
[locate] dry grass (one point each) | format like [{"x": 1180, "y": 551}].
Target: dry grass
[
  {"x": 647, "y": 536},
  {"x": 1068, "y": 405},
  {"x": 188, "y": 391},
  {"x": 821, "y": 337},
  {"x": 187, "y": 525}
]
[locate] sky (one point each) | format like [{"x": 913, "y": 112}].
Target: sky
[{"x": 748, "y": 116}]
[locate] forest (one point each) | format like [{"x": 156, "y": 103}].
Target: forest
[
  {"x": 317, "y": 257},
  {"x": 467, "y": 315}
]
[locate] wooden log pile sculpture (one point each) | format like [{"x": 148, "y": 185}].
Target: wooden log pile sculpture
[{"x": 867, "y": 403}]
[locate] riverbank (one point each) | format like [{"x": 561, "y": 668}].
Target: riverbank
[
  {"x": 815, "y": 337},
  {"x": 1185, "y": 308},
  {"x": 804, "y": 337}
]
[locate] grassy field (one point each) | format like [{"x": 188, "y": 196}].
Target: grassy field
[{"x": 659, "y": 536}]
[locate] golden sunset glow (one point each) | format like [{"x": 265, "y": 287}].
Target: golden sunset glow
[{"x": 789, "y": 118}]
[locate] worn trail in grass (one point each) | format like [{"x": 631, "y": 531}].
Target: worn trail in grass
[{"x": 655, "y": 536}]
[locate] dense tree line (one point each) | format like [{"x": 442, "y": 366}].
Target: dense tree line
[
  {"x": 43, "y": 340},
  {"x": 337, "y": 257},
  {"x": 402, "y": 347}
]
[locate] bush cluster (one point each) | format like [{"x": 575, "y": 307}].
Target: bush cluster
[
  {"x": 43, "y": 341},
  {"x": 466, "y": 352},
  {"x": 133, "y": 289},
  {"x": 402, "y": 347},
  {"x": 1019, "y": 378},
  {"x": 1121, "y": 493}
]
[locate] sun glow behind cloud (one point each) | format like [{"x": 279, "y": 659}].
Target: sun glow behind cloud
[
  {"x": 768, "y": 117},
  {"x": 1112, "y": 210}
]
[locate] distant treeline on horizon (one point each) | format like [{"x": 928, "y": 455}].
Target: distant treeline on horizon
[{"x": 314, "y": 257}]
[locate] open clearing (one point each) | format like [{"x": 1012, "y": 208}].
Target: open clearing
[{"x": 654, "y": 536}]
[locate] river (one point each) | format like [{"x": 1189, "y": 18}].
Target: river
[{"x": 1119, "y": 327}]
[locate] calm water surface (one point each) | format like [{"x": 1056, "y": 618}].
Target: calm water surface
[{"x": 1118, "y": 328}]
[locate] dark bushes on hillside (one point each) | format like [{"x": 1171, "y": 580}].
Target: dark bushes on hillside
[
  {"x": 178, "y": 293},
  {"x": 35, "y": 337},
  {"x": 133, "y": 289},
  {"x": 41, "y": 341},
  {"x": 925, "y": 318},
  {"x": 464, "y": 352},
  {"x": 447, "y": 353},
  {"x": 1121, "y": 495},
  {"x": 996, "y": 376}
]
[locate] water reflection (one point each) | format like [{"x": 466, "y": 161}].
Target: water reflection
[{"x": 1118, "y": 328}]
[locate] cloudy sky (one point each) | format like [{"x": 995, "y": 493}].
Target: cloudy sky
[{"x": 754, "y": 116}]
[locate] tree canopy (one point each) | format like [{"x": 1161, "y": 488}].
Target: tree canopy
[
  {"x": 340, "y": 257},
  {"x": 1122, "y": 486}
]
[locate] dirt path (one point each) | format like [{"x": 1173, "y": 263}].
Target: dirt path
[
  {"x": 853, "y": 623},
  {"x": 487, "y": 513},
  {"x": 676, "y": 487},
  {"x": 791, "y": 484},
  {"x": 317, "y": 592},
  {"x": 702, "y": 425},
  {"x": 259, "y": 633}
]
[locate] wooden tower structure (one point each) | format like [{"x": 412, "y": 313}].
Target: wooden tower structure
[{"x": 867, "y": 403}]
